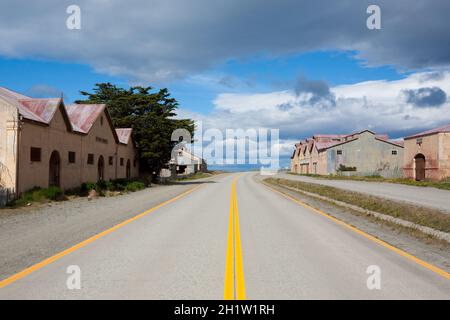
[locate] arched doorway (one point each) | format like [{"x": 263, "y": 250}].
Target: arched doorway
[
  {"x": 419, "y": 161},
  {"x": 101, "y": 169},
  {"x": 128, "y": 169},
  {"x": 55, "y": 170}
]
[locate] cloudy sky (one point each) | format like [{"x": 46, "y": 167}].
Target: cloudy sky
[{"x": 304, "y": 67}]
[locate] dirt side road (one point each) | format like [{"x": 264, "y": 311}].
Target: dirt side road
[{"x": 423, "y": 196}]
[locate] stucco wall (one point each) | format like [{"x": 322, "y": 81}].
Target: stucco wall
[
  {"x": 127, "y": 152},
  {"x": 444, "y": 155},
  {"x": 100, "y": 142},
  {"x": 429, "y": 147},
  {"x": 369, "y": 155},
  {"x": 8, "y": 145}
]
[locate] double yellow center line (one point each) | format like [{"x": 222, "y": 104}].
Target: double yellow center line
[{"x": 234, "y": 270}]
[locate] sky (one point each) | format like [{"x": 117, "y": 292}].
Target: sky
[{"x": 303, "y": 67}]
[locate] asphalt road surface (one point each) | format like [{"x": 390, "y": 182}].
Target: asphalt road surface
[
  {"x": 231, "y": 238},
  {"x": 423, "y": 196}
]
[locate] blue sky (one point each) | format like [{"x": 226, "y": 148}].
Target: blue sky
[
  {"x": 302, "y": 67},
  {"x": 259, "y": 73}
]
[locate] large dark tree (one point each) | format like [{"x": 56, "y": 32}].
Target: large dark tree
[{"x": 150, "y": 114}]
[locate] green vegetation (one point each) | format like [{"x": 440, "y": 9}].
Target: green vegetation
[
  {"x": 428, "y": 217},
  {"x": 443, "y": 184},
  {"x": 345, "y": 168},
  {"x": 119, "y": 185},
  {"x": 198, "y": 175},
  {"x": 39, "y": 195},
  {"x": 150, "y": 114}
]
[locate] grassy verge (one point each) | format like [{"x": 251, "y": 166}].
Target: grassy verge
[
  {"x": 443, "y": 184},
  {"x": 428, "y": 217},
  {"x": 40, "y": 195},
  {"x": 199, "y": 175}
]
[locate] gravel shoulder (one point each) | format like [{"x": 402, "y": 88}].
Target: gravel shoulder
[
  {"x": 423, "y": 196},
  {"x": 414, "y": 242},
  {"x": 29, "y": 235}
]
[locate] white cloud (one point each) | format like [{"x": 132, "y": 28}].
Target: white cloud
[
  {"x": 159, "y": 40},
  {"x": 377, "y": 105}
]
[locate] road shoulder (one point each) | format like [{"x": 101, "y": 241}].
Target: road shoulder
[{"x": 414, "y": 242}]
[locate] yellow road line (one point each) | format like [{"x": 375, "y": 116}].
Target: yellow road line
[
  {"x": 234, "y": 268},
  {"x": 240, "y": 282},
  {"x": 82, "y": 244},
  {"x": 229, "y": 265},
  {"x": 367, "y": 236}
]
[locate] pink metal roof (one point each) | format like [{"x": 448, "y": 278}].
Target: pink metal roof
[
  {"x": 442, "y": 129},
  {"x": 13, "y": 98},
  {"x": 124, "y": 135},
  {"x": 83, "y": 116},
  {"x": 44, "y": 109},
  {"x": 325, "y": 145}
]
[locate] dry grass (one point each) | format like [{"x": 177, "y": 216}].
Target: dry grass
[
  {"x": 443, "y": 184},
  {"x": 428, "y": 217}
]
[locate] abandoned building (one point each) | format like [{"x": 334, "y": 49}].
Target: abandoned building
[
  {"x": 427, "y": 155},
  {"x": 363, "y": 153},
  {"x": 44, "y": 142},
  {"x": 183, "y": 163}
]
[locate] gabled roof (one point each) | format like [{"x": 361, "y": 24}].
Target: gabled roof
[
  {"x": 442, "y": 129},
  {"x": 79, "y": 117},
  {"x": 83, "y": 116},
  {"x": 325, "y": 145},
  {"x": 41, "y": 110},
  {"x": 124, "y": 135}
]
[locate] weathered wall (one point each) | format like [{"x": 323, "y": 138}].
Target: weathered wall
[
  {"x": 8, "y": 145},
  {"x": 429, "y": 147},
  {"x": 369, "y": 155},
  {"x": 49, "y": 138},
  {"x": 127, "y": 152},
  {"x": 100, "y": 142},
  {"x": 444, "y": 155}
]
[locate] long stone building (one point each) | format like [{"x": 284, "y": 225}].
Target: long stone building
[
  {"x": 361, "y": 153},
  {"x": 44, "y": 142},
  {"x": 427, "y": 154}
]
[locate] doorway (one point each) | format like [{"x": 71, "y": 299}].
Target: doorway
[
  {"x": 128, "y": 170},
  {"x": 419, "y": 161},
  {"x": 101, "y": 169},
  {"x": 55, "y": 170}
]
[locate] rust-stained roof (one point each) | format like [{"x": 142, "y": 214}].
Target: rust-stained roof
[
  {"x": 124, "y": 135},
  {"x": 42, "y": 110},
  {"x": 442, "y": 129},
  {"x": 79, "y": 117},
  {"x": 83, "y": 116},
  {"x": 325, "y": 145}
]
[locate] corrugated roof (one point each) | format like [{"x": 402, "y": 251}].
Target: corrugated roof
[
  {"x": 79, "y": 117},
  {"x": 124, "y": 135},
  {"x": 442, "y": 129},
  {"x": 83, "y": 116},
  {"x": 325, "y": 145},
  {"x": 42, "y": 110}
]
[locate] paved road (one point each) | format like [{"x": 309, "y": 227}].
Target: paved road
[
  {"x": 428, "y": 197},
  {"x": 279, "y": 250}
]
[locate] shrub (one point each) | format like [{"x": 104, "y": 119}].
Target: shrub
[
  {"x": 134, "y": 186},
  {"x": 345, "y": 168},
  {"x": 40, "y": 195}
]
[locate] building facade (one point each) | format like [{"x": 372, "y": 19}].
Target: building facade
[
  {"x": 45, "y": 143},
  {"x": 362, "y": 153},
  {"x": 427, "y": 155},
  {"x": 183, "y": 163}
]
